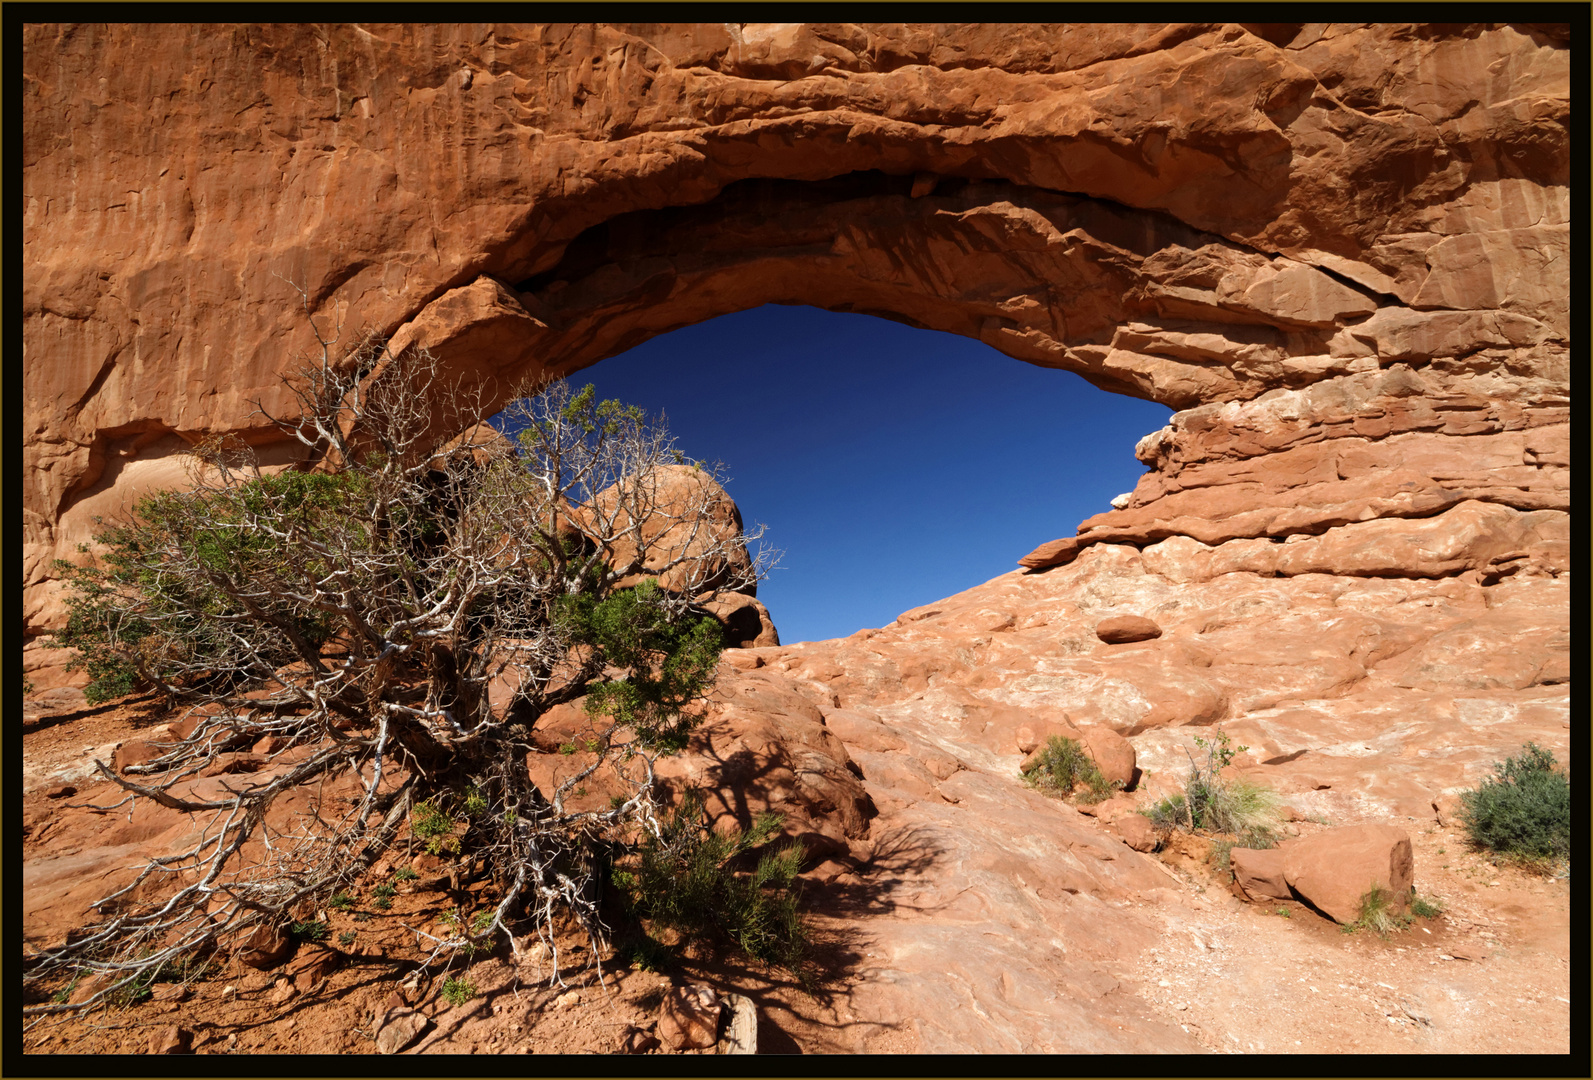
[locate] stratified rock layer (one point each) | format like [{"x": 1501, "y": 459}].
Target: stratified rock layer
[{"x": 1341, "y": 250}]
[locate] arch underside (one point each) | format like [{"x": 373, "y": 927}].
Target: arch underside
[{"x": 1325, "y": 286}]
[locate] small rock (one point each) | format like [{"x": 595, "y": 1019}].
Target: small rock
[
  {"x": 284, "y": 991},
  {"x": 1259, "y": 874},
  {"x": 1123, "y": 629},
  {"x": 742, "y": 1036},
  {"x": 62, "y": 790},
  {"x": 400, "y": 1028},
  {"x": 135, "y": 752},
  {"x": 565, "y": 1000},
  {"x": 264, "y": 949},
  {"x": 171, "y": 1040},
  {"x": 170, "y": 992},
  {"x": 638, "y": 1041},
  {"x": 689, "y": 1018},
  {"x": 1136, "y": 831},
  {"x": 313, "y": 965}
]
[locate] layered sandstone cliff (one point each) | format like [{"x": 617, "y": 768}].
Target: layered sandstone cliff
[{"x": 1342, "y": 250}]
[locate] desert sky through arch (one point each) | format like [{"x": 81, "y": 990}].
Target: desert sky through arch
[{"x": 894, "y": 466}]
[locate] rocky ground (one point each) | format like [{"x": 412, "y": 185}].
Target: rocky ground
[{"x": 955, "y": 908}]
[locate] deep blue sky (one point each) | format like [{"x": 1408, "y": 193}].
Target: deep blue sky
[{"x": 893, "y": 466}]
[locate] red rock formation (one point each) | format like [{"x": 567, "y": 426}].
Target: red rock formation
[
  {"x": 1340, "y": 251},
  {"x": 1201, "y": 214}
]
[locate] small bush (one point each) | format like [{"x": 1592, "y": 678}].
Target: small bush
[
  {"x": 1523, "y": 811},
  {"x": 649, "y": 954},
  {"x": 310, "y": 930},
  {"x": 683, "y": 881},
  {"x": 405, "y": 873},
  {"x": 1379, "y": 913},
  {"x": 346, "y": 938},
  {"x": 1244, "y": 809},
  {"x": 457, "y": 991},
  {"x": 1240, "y": 808},
  {"x": 1169, "y": 814},
  {"x": 1064, "y": 767},
  {"x": 435, "y": 827},
  {"x": 63, "y": 995},
  {"x": 341, "y": 901},
  {"x": 1424, "y": 908}
]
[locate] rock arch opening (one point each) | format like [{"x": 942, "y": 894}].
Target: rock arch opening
[{"x": 894, "y": 466}]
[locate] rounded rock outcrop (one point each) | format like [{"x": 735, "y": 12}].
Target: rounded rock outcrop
[{"x": 1124, "y": 629}]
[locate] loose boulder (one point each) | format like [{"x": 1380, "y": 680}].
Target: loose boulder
[
  {"x": 1136, "y": 831},
  {"x": 171, "y": 1039},
  {"x": 689, "y": 1018},
  {"x": 689, "y": 526},
  {"x": 742, "y": 1034},
  {"x": 264, "y": 949},
  {"x": 400, "y": 1028},
  {"x": 1332, "y": 870},
  {"x": 1113, "y": 754},
  {"x": 747, "y": 622},
  {"x": 1259, "y": 874},
  {"x": 1123, "y": 629}
]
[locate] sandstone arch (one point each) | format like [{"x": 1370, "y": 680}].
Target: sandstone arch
[{"x": 1342, "y": 251}]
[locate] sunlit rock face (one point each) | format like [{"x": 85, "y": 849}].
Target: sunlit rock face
[{"x": 1341, "y": 251}]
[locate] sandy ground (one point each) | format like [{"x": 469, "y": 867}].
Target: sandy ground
[{"x": 1491, "y": 974}]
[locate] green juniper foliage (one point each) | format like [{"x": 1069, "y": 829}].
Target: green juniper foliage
[{"x": 363, "y": 605}]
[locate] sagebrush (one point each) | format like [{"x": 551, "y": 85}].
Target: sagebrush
[
  {"x": 1064, "y": 766},
  {"x": 1523, "y": 811}
]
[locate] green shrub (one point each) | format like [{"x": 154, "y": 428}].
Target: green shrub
[
  {"x": 1168, "y": 814},
  {"x": 346, "y": 938},
  {"x": 1064, "y": 767},
  {"x": 683, "y": 881},
  {"x": 1240, "y": 808},
  {"x": 341, "y": 901},
  {"x": 1523, "y": 811},
  {"x": 1379, "y": 913},
  {"x": 310, "y": 930},
  {"x": 1424, "y": 908},
  {"x": 405, "y": 873},
  {"x": 457, "y": 991},
  {"x": 430, "y": 824},
  {"x": 1244, "y": 809}
]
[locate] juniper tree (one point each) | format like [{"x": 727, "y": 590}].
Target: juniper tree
[{"x": 400, "y": 612}]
